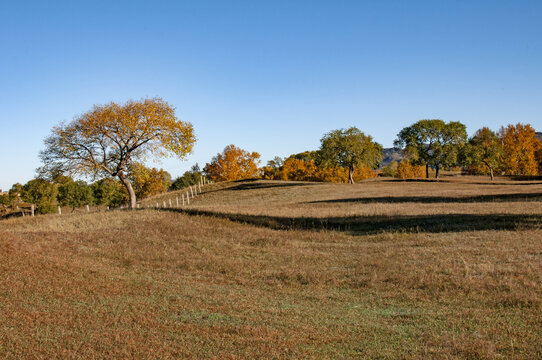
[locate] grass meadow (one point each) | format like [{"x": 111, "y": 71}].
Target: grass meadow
[{"x": 383, "y": 269}]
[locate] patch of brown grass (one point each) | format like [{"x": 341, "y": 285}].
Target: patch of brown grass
[{"x": 166, "y": 284}]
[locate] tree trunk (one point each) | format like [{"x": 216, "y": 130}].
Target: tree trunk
[
  {"x": 427, "y": 171},
  {"x": 131, "y": 192},
  {"x": 436, "y": 173},
  {"x": 351, "y": 174}
]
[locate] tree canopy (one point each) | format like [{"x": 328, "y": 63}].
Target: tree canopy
[
  {"x": 433, "y": 143},
  {"x": 483, "y": 148},
  {"x": 107, "y": 139},
  {"x": 520, "y": 144},
  {"x": 349, "y": 148},
  {"x": 233, "y": 164}
]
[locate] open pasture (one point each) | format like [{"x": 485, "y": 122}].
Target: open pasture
[{"x": 266, "y": 269}]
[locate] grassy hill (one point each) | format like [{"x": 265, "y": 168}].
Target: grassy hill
[{"x": 268, "y": 269}]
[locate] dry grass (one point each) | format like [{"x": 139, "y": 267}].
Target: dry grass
[{"x": 382, "y": 270}]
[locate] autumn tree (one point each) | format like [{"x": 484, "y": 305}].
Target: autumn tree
[
  {"x": 519, "y": 147},
  {"x": 107, "y": 139},
  {"x": 407, "y": 170},
  {"x": 148, "y": 181},
  {"x": 349, "y": 148},
  {"x": 233, "y": 164},
  {"x": 484, "y": 148},
  {"x": 433, "y": 143}
]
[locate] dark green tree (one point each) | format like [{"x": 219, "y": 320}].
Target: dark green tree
[
  {"x": 433, "y": 143},
  {"x": 109, "y": 192},
  {"x": 189, "y": 178},
  {"x": 73, "y": 193},
  {"x": 42, "y": 193}
]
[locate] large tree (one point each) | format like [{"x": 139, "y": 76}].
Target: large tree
[
  {"x": 520, "y": 145},
  {"x": 233, "y": 164},
  {"x": 483, "y": 148},
  {"x": 108, "y": 138},
  {"x": 433, "y": 143},
  {"x": 350, "y": 148}
]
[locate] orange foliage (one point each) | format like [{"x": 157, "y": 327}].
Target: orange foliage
[
  {"x": 519, "y": 150},
  {"x": 405, "y": 170},
  {"x": 148, "y": 182},
  {"x": 233, "y": 164},
  {"x": 306, "y": 170},
  {"x": 299, "y": 170}
]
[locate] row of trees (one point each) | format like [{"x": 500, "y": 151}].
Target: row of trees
[
  {"x": 110, "y": 141},
  {"x": 64, "y": 191},
  {"x": 349, "y": 155},
  {"x": 513, "y": 150}
]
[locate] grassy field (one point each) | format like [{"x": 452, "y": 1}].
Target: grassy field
[{"x": 265, "y": 269}]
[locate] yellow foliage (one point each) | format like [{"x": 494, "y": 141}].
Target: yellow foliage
[
  {"x": 148, "y": 182},
  {"x": 306, "y": 170},
  {"x": 233, "y": 164},
  {"x": 405, "y": 170},
  {"x": 519, "y": 150}
]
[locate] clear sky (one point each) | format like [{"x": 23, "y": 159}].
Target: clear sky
[{"x": 267, "y": 76}]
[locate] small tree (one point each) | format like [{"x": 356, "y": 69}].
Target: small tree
[
  {"x": 148, "y": 182},
  {"x": 390, "y": 170},
  {"x": 350, "y": 148},
  {"x": 433, "y": 143},
  {"x": 73, "y": 193},
  {"x": 233, "y": 164},
  {"x": 108, "y": 138},
  {"x": 42, "y": 193},
  {"x": 483, "y": 148},
  {"x": 109, "y": 192},
  {"x": 191, "y": 177}
]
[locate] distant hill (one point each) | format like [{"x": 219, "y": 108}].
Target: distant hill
[{"x": 391, "y": 154}]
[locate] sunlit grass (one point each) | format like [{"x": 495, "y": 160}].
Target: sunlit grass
[{"x": 225, "y": 278}]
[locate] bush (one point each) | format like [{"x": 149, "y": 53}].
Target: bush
[
  {"x": 405, "y": 170},
  {"x": 390, "y": 170}
]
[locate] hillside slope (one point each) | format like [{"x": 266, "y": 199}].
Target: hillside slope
[{"x": 226, "y": 278}]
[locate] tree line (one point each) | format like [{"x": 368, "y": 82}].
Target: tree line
[
  {"x": 349, "y": 155},
  {"x": 110, "y": 142}
]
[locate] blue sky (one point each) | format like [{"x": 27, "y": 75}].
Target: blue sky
[{"x": 267, "y": 76}]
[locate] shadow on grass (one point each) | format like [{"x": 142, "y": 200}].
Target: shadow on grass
[
  {"x": 362, "y": 225},
  {"x": 257, "y": 185},
  {"x": 437, "y": 199}
]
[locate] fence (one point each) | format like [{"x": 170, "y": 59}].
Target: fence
[{"x": 181, "y": 198}]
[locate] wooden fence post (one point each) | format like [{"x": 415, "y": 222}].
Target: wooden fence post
[
  {"x": 188, "y": 198},
  {"x": 191, "y": 191},
  {"x": 59, "y": 210},
  {"x": 170, "y": 204},
  {"x": 177, "y": 199},
  {"x": 32, "y": 209},
  {"x": 88, "y": 209}
]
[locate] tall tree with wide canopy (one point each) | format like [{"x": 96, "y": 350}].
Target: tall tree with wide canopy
[
  {"x": 349, "y": 148},
  {"x": 433, "y": 143},
  {"x": 108, "y": 138}
]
